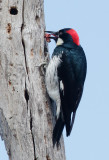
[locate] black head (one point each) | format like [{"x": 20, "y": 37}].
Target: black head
[{"x": 65, "y": 35}]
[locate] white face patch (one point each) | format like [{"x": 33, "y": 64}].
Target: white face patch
[
  {"x": 59, "y": 42},
  {"x": 52, "y": 81}
]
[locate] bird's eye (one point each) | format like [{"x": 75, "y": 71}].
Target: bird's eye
[{"x": 60, "y": 33}]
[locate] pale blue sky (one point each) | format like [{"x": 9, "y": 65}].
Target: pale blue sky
[{"x": 89, "y": 139}]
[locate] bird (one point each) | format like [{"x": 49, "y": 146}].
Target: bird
[{"x": 65, "y": 77}]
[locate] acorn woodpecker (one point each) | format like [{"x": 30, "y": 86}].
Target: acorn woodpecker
[{"x": 65, "y": 76}]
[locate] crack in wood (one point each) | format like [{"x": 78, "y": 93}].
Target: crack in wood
[
  {"x": 26, "y": 91},
  {"x": 26, "y": 94},
  {"x": 31, "y": 126},
  {"x": 23, "y": 42}
]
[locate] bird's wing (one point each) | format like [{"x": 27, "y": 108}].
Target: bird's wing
[{"x": 69, "y": 76}]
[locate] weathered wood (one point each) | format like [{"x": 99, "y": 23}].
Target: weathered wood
[{"x": 26, "y": 119}]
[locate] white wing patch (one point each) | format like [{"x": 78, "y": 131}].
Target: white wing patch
[
  {"x": 52, "y": 81},
  {"x": 61, "y": 85}
]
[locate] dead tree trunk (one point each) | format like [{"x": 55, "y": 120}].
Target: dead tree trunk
[{"x": 26, "y": 120}]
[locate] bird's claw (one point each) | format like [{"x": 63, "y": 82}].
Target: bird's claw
[{"x": 42, "y": 64}]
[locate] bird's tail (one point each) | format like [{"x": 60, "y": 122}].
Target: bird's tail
[
  {"x": 69, "y": 125},
  {"x": 58, "y": 129}
]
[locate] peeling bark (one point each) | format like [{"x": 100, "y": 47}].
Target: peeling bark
[{"x": 26, "y": 116}]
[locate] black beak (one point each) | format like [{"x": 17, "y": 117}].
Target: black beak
[{"x": 52, "y": 33}]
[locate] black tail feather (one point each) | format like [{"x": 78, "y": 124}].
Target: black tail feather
[
  {"x": 69, "y": 129},
  {"x": 73, "y": 119},
  {"x": 58, "y": 129}
]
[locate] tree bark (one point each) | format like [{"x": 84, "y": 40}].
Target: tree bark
[{"x": 26, "y": 117}]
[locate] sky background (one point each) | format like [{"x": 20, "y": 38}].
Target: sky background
[{"x": 89, "y": 139}]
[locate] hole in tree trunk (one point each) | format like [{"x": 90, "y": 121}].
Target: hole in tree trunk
[{"x": 13, "y": 11}]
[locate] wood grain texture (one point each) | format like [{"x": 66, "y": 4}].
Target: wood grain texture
[{"x": 26, "y": 117}]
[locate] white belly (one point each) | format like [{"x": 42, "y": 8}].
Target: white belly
[{"x": 52, "y": 81}]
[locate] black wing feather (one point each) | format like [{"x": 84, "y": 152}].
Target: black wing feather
[{"x": 72, "y": 73}]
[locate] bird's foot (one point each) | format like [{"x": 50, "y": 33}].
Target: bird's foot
[
  {"x": 42, "y": 67},
  {"x": 42, "y": 64}
]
